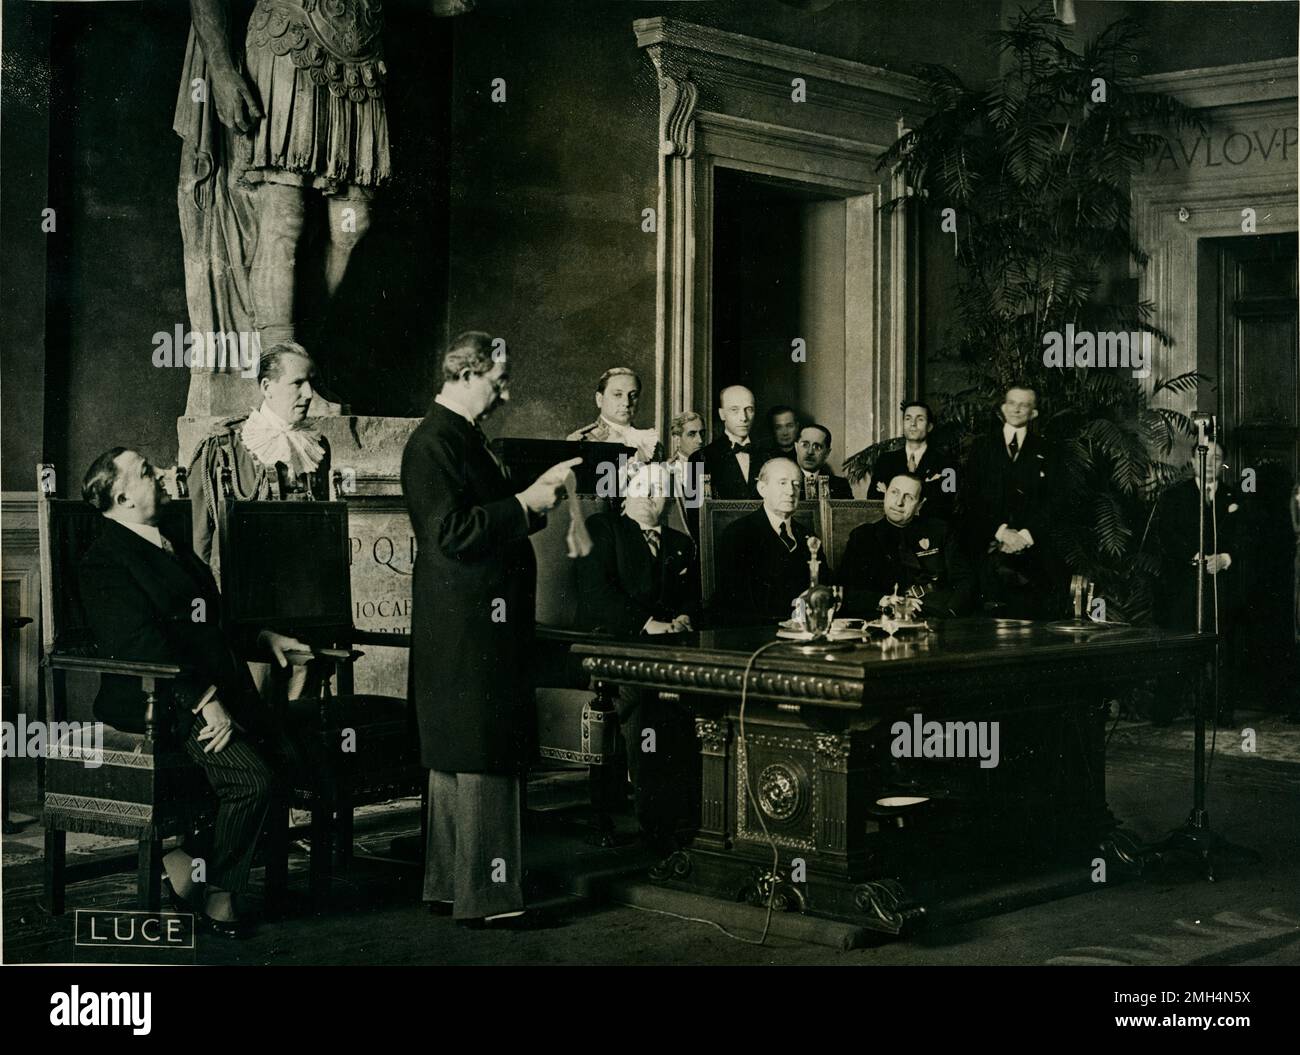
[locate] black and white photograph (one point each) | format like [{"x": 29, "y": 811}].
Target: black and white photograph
[{"x": 721, "y": 483}]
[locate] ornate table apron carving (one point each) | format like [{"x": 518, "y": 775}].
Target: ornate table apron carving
[{"x": 818, "y": 753}]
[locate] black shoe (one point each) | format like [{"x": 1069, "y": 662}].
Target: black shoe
[
  {"x": 178, "y": 903},
  {"x": 439, "y": 908},
  {"x": 530, "y": 919},
  {"x": 234, "y": 929}
]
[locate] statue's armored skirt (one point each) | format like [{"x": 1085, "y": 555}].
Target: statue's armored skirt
[{"x": 319, "y": 73}]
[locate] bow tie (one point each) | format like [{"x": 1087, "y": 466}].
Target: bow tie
[{"x": 740, "y": 447}]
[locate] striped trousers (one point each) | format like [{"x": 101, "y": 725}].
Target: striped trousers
[{"x": 244, "y": 785}]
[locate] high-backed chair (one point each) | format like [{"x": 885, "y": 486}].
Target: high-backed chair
[
  {"x": 285, "y": 566},
  {"x": 145, "y": 788},
  {"x": 832, "y": 521},
  {"x": 718, "y": 514},
  {"x": 836, "y": 520}
]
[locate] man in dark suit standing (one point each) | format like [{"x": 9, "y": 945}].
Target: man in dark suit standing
[
  {"x": 907, "y": 551},
  {"x": 1177, "y": 524},
  {"x": 732, "y": 460},
  {"x": 641, "y": 579},
  {"x": 139, "y": 590},
  {"x": 919, "y": 458},
  {"x": 762, "y": 558},
  {"x": 472, "y": 638},
  {"x": 1227, "y": 548},
  {"x": 1007, "y": 494},
  {"x": 814, "y": 448}
]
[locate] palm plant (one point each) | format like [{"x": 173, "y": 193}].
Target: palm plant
[{"x": 1036, "y": 167}]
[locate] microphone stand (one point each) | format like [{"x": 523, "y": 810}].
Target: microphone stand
[{"x": 1196, "y": 838}]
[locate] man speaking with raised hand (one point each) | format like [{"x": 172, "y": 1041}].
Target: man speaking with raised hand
[{"x": 472, "y": 634}]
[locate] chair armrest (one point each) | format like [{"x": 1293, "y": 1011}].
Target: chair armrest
[
  {"x": 129, "y": 667},
  {"x": 378, "y": 637}
]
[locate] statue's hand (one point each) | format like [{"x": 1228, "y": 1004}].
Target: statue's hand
[{"x": 236, "y": 105}]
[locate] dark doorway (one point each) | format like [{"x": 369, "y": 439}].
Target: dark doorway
[
  {"x": 779, "y": 275},
  {"x": 1253, "y": 353}
]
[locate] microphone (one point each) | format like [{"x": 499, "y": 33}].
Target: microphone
[{"x": 1205, "y": 429}]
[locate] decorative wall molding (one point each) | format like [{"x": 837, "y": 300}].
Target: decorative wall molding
[
  {"x": 1243, "y": 82},
  {"x": 725, "y": 47},
  {"x": 1185, "y": 195},
  {"x": 725, "y": 102}
]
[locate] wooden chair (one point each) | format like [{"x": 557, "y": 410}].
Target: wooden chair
[
  {"x": 718, "y": 514},
  {"x": 836, "y": 520},
  {"x": 832, "y": 521},
  {"x": 285, "y": 566},
  {"x": 146, "y": 789}
]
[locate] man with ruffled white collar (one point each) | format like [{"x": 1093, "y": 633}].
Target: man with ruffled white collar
[{"x": 271, "y": 453}]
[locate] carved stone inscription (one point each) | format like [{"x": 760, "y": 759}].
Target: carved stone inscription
[{"x": 382, "y": 549}]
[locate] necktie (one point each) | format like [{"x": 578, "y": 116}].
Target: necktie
[
  {"x": 167, "y": 547},
  {"x": 787, "y": 539},
  {"x": 1013, "y": 448},
  {"x": 491, "y": 453},
  {"x": 911, "y": 461},
  {"x": 651, "y": 540}
]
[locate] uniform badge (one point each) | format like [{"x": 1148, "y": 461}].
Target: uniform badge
[{"x": 924, "y": 543}]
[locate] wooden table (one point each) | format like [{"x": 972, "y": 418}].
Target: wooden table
[{"x": 821, "y": 746}]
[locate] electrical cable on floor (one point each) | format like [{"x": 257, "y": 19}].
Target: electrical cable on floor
[
  {"x": 690, "y": 919},
  {"x": 749, "y": 789},
  {"x": 758, "y": 812}
]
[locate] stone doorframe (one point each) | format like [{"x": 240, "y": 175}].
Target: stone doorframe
[
  {"x": 726, "y": 101},
  {"x": 1173, "y": 210}
]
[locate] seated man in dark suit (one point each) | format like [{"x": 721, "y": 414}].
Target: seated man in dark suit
[
  {"x": 732, "y": 460},
  {"x": 906, "y": 553},
  {"x": 814, "y": 447},
  {"x": 142, "y": 592},
  {"x": 920, "y": 458},
  {"x": 1006, "y": 491},
  {"x": 762, "y": 558},
  {"x": 641, "y": 578}
]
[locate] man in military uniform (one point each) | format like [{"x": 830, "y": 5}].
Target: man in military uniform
[
  {"x": 617, "y": 394},
  {"x": 909, "y": 552}
]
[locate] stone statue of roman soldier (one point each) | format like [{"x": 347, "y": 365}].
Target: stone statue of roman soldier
[{"x": 276, "y": 104}]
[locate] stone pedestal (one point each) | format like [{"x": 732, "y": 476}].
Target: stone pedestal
[{"x": 368, "y": 451}]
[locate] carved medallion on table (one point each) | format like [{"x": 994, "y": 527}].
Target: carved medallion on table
[{"x": 785, "y": 794}]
